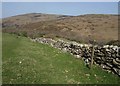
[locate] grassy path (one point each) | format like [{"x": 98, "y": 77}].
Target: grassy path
[{"x": 25, "y": 62}]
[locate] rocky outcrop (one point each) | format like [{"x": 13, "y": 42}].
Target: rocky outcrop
[{"x": 107, "y": 56}]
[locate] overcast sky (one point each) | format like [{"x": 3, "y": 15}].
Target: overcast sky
[{"x": 66, "y": 8}]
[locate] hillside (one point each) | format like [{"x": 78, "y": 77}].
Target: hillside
[
  {"x": 30, "y": 18},
  {"x": 26, "y": 62},
  {"x": 83, "y": 28}
]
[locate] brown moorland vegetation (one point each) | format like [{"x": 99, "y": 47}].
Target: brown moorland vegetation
[{"x": 84, "y": 28}]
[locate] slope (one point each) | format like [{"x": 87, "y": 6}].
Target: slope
[{"x": 25, "y": 62}]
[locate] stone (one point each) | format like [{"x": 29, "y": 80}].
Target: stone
[
  {"x": 64, "y": 49},
  {"x": 107, "y": 56},
  {"x": 78, "y": 56},
  {"x": 108, "y": 64},
  {"x": 115, "y": 62},
  {"x": 105, "y": 67},
  {"x": 117, "y": 71}
]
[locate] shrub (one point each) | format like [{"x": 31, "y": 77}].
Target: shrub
[
  {"x": 114, "y": 42},
  {"x": 24, "y": 34}
]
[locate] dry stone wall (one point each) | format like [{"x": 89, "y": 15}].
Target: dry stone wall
[{"x": 107, "y": 56}]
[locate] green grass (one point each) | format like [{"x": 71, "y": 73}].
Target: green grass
[
  {"x": 26, "y": 62},
  {"x": 0, "y": 57}
]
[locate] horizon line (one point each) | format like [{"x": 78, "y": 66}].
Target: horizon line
[{"x": 58, "y": 14}]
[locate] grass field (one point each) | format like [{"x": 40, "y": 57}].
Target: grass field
[
  {"x": 26, "y": 62},
  {"x": 0, "y": 56}
]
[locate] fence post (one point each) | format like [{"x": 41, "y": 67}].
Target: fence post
[{"x": 92, "y": 56}]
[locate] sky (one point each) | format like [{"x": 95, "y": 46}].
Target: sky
[
  {"x": 65, "y": 8},
  {"x": 60, "y": 0}
]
